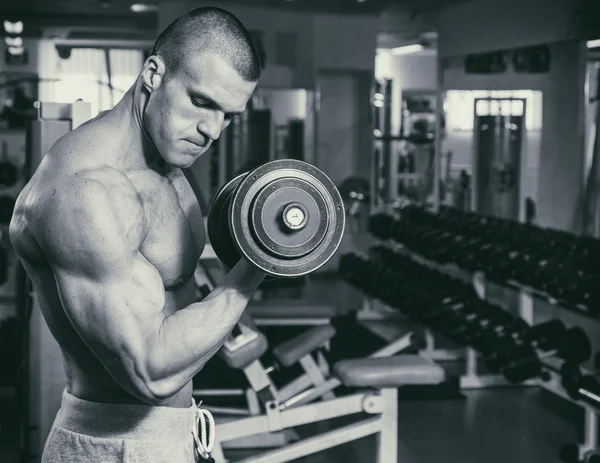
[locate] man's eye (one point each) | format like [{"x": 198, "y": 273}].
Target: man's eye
[{"x": 200, "y": 103}]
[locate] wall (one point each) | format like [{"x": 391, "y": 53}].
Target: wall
[
  {"x": 285, "y": 104},
  {"x": 484, "y": 25},
  {"x": 344, "y": 42}
]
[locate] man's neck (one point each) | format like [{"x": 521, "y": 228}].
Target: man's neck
[{"x": 139, "y": 151}]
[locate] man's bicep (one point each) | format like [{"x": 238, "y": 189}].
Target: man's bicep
[
  {"x": 111, "y": 312},
  {"x": 115, "y": 318}
]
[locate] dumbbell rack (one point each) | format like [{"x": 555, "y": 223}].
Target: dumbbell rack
[{"x": 471, "y": 379}]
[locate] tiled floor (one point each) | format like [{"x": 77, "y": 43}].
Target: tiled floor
[{"x": 492, "y": 426}]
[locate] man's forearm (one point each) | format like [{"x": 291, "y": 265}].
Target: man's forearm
[{"x": 188, "y": 338}]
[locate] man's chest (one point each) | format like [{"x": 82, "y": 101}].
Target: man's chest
[{"x": 175, "y": 227}]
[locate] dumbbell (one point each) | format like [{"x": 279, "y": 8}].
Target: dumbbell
[
  {"x": 442, "y": 314},
  {"x": 542, "y": 336},
  {"x": 525, "y": 363},
  {"x": 580, "y": 386},
  {"x": 380, "y": 225},
  {"x": 570, "y": 453},
  {"x": 285, "y": 217},
  {"x": 484, "y": 329},
  {"x": 355, "y": 190}
]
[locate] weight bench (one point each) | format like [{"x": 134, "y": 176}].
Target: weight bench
[
  {"x": 377, "y": 377},
  {"x": 244, "y": 348}
]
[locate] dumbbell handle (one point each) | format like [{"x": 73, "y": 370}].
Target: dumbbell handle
[
  {"x": 538, "y": 359},
  {"x": 591, "y": 397}
]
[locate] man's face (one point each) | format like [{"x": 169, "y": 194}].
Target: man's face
[{"x": 187, "y": 112}]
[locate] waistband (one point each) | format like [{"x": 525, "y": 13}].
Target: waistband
[{"x": 124, "y": 421}]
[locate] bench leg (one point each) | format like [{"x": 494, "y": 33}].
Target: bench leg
[
  {"x": 315, "y": 374},
  {"x": 217, "y": 453},
  {"x": 387, "y": 439}
]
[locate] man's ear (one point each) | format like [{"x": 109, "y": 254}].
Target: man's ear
[{"x": 153, "y": 73}]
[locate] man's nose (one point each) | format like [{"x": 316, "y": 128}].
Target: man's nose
[{"x": 212, "y": 124}]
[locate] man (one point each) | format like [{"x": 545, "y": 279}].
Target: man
[{"x": 110, "y": 233}]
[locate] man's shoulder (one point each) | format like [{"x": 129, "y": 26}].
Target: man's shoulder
[
  {"x": 89, "y": 183},
  {"x": 89, "y": 196},
  {"x": 87, "y": 204}
]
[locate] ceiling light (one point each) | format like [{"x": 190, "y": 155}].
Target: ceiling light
[
  {"x": 15, "y": 28},
  {"x": 406, "y": 49},
  {"x": 143, "y": 7},
  {"x": 402, "y": 50},
  {"x": 14, "y": 42},
  {"x": 593, "y": 43},
  {"x": 16, "y": 50}
]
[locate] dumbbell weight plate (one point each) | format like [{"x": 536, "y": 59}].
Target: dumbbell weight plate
[
  {"x": 500, "y": 354},
  {"x": 9, "y": 174},
  {"x": 546, "y": 334},
  {"x": 287, "y": 218},
  {"x": 576, "y": 346},
  {"x": 570, "y": 378},
  {"x": 217, "y": 223},
  {"x": 525, "y": 364}
]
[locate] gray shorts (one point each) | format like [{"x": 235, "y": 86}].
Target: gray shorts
[{"x": 109, "y": 433}]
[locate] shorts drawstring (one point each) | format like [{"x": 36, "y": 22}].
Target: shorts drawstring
[{"x": 204, "y": 438}]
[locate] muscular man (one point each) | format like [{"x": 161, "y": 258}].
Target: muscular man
[{"x": 110, "y": 232}]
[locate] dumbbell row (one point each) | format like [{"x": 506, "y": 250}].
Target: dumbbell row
[
  {"x": 449, "y": 224},
  {"x": 510, "y": 346},
  {"x": 446, "y": 306},
  {"x": 505, "y": 251},
  {"x": 450, "y": 239}
]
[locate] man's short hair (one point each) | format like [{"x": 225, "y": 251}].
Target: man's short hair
[{"x": 208, "y": 29}]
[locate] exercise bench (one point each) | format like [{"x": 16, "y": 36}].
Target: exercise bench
[{"x": 377, "y": 379}]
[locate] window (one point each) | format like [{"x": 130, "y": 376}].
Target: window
[
  {"x": 459, "y": 107},
  {"x": 84, "y": 75}
]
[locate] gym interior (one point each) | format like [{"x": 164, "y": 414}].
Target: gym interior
[{"x": 461, "y": 137}]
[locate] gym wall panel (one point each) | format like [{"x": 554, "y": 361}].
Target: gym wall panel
[
  {"x": 337, "y": 125},
  {"x": 485, "y": 25},
  {"x": 345, "y": 42},
  {"x": 344, "y": 137}
]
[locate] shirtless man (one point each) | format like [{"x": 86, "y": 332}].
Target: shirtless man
[{"x": 110, "y": 232}]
